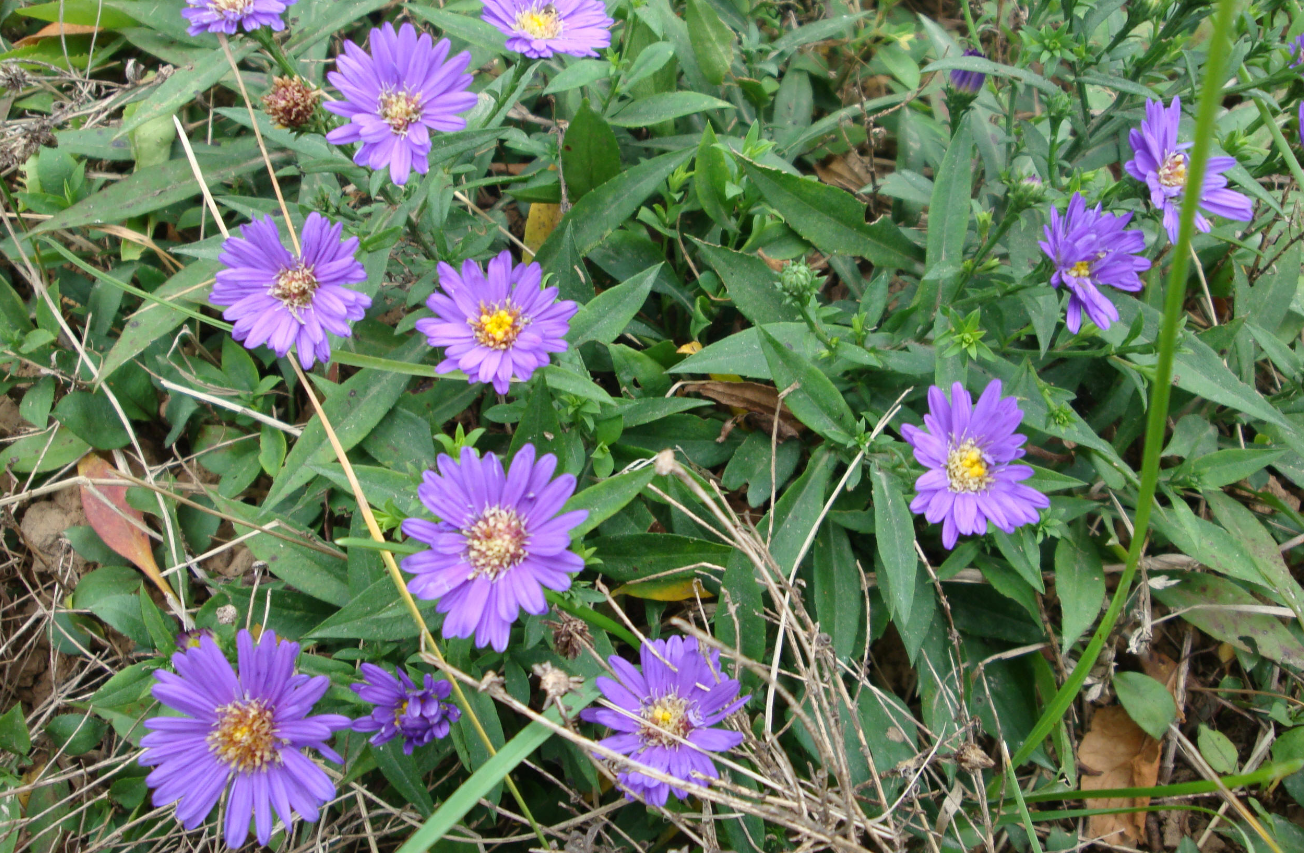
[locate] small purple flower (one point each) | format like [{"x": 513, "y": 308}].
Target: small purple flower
[
  {"x": 967, "y": 450},
  {"x": 192, "y": 639},
  {"x": 1301, "y": 122},
  {"x": 538, "y": 28},
  {"x": 498, "y": 543},
  {"x": 1297, "y": 52},
  {"x": 420, "y": 715},
  {"x": 226, "y": 16},
  {"x": 247, "y": 731},
  {"x": 1090, "y": 248},
  {"x": 496, "y": 325},
  {"x": 395, "y": 95},
  {"x": 664, "y": 717},
  {"x": 968, "y": 81},
  {"x": 1160, "y": 162},
  {"x": 278, "y": 299}
]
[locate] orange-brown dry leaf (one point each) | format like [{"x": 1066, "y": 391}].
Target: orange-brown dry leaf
[
  {"x": 751, "y": 397},
  {"x": 54, "y": 30},
  {"x": 842, "y": 172},
  {"x": 1116, "y": 753},
  {"x": 126, "y": 539}
]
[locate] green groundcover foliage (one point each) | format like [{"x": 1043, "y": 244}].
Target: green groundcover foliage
[{"x": 651, "y": 425}]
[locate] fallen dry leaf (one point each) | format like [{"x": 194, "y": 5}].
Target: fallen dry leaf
[
  {"x": 841, "y": 172},
  {"x": 112, "y": 519},
  {"x": 56, "y": 29},
  {"x": 751, "y": 398},
  {"x": 1116, "y": 753},
  {"x": 542, "y": 220}
]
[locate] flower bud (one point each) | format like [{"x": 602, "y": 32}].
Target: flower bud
[{"x": 798, "y": 283}]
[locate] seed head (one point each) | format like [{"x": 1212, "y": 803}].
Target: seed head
[{"x": 291, "y": 102}]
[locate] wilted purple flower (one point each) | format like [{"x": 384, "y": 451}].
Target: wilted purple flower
[
  {"x": 395, "y": 95},
  {"x": 538, "y": 28},
  {"x": 967, "y": 450},
  {"x": 1090, "y": 248},
  {"x": 1160, "y": 162},
  {"x": 498, "y": 543},
  {"x": 245, "y": 730},
  {"x": 664, "y": 716},
  {"x": 227, "y": 16},
  {"x": 278, "y": 299},
  {"x": 420, "y": 715},
  {"x": 498, "y": 325},
  {"x": 968, "y": 81}
]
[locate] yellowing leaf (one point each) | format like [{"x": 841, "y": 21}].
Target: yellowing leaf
[
  {"x": 112, "y": 518},
  {"x": 666, "y": 589},
  {"x": 541, "y": 222}
]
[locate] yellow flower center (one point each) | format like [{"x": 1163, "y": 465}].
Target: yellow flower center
[
  {"x": 968, "y": 468},
  {"x": 231, "y": 7},
  {"x": 399, "y": 109},
  {"x": 400, "y": 713},
  {"x": 245, "y": 736},
  {"x": 540, "y": 22},
  {"x": 295, "y": 287},
  {"x": 1173, "y": 171},
  {"x": 665, "y": 720},
  {"x": 495, "y": 542},
  {"x": 497, "y": 327},
  {"x": 1082, "y": 269}
]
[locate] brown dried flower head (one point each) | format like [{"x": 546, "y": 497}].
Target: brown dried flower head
[
  {"x": 569, "y": 636},
  {"x": 291, "y": 102}
]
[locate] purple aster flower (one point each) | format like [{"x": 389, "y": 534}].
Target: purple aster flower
[
  {"x": 278, "y": 299},
  {"x": 420, "y": 715},
  {"x": 967, "y": 449},
  {"x": 968, "y": 81},
  {"x": 664, "y": 716},
  {"x": 1160, "y": 161},
  {"x": 1089, "y": 249},
  {"x": 395, "y": 95},
  {"x": 247, "y": 731},
  {"x": 496, "y": 325},
  {"x": 498, "y": 543},
  {"x": 538, "y": 28},
  {"x": 192, "y": 639},
  {"x": 226, "y": 16}
]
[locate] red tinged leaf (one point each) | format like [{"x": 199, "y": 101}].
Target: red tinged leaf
[{"x": 112, "y": 518}]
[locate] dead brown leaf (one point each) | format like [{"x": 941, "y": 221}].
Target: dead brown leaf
[
  {"x": 1116, "y": 753},
  {"x": 54, "y": 30},
  {"x": 752, "y": 398},
  {"x": 112, "y": 518},
  {"x": 842, "y": 172}
]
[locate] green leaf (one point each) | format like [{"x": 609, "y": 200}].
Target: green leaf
[
  {"x": 607, "y": 314},
  {"x": 607, "y": 498},
  {"x": 604, "y": 209},
  {"x": 42, "y": 452},
  {"x": 1217, "y": 749},
  {"x": 710, "y": 174},
  {"x": 491, "y": 774},
  {"x": 154, "y": 189},
  {"x": 712, "y": 40},
  {"x": 590, "y": 155},
  {"x": 815, "y": 402},
  {"x": 353, "y": 410},
  {"x": 152, "y": 322},
  {"x": 986, "y": 66},
  {"x": 186, "y": 83},
  {"x": 75, "y": 734},
  {"x": 126, "y": 687},
  {"x": 741, "y": 352},
  {"x": 649, "y": 61},
  {"x": 579, "y": 73},
  {"x": 1225, "y": 467},
  {"x": 471, "y": 30},
  {"x": 839, "y": 599},
  {"x": 663, "y": 106},
  {"x": 87, "y": 13},
  {"x": 948, "y": 212},
  {"x": 1146, "y": 701},
  {"x": 751, "y": 284},
  {"x": 377, "y": 614},
  {"x": 1080, "y": 583},
  {"x": 894, "y": 532},
  {"x": 832, "y": 219},
  {"x": 401, "y": 771},
  {"x": 1256, "y": 633},
  {"x": 110, "y": 593},
  {"x": 634, "y": 556},
  {"x": 1261, "y": 547},
  {"x": 13, "y": 731},
  {"x": 92, "y": 418},
  {"x": 310, "y": 571}
]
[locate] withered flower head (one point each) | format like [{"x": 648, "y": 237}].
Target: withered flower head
[
  {"x": 291, "y": 102},
  {"x": 570, "y": 635}
]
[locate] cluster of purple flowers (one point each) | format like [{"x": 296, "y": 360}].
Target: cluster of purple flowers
[{"x": 246, "y": 731}]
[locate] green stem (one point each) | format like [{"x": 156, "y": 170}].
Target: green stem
[
  {"x": 1219, "y": 47},
  {"x": 1270, "y": 773},
  {"x": 264, "y": 38}
]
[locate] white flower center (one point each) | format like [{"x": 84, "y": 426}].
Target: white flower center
[
  {"x": 1173, "y": 171},
  {"x": 664, "y": 720},
  {"x": 399, "y": 109},
  {"x": 231, "y": 8},
  {"x": 540, "y": 22},
  {"x": 968, "y": 469},
  {"x": 498, "y": 326},
  {"x": 496, "y": 542},
  {"x": 245, "y": 736},
  {"x": 295, "y": 288}
]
